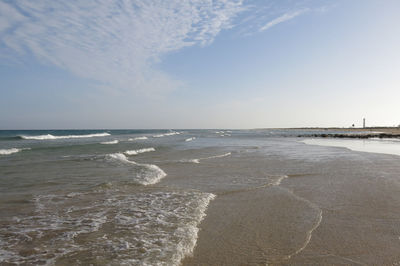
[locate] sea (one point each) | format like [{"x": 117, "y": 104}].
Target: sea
[{"x": 128, "y": 197}]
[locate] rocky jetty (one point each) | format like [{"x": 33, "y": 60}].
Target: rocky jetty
[{"x": 352, "y": 135}]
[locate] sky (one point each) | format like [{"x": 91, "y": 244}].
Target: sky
[{"x": 199, "y": 64}]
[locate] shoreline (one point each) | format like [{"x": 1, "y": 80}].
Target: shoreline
[{"x": 354, "y": 133}]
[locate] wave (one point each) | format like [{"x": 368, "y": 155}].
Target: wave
[
  {"x": 190, "y": 161},
  {"x": 11, "y": 151},
  {"x": 151, "y": 228},
  {"x": 217, "y": 156},
  {"x": 110, "y": 142},
  {"x": 147, "y": 174},
  {"x": 49, "y": 136},
  {"x": 278, "y": 181},
  {"x": 190, "y": 139},
  {"x": 135, "y": 152},
  {"x": 138, "y": 138},
  {"x": 205, "y": 158},
  {"x": 167, "y": 134}
]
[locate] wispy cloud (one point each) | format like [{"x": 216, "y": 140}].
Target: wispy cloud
[
  {"x": 283, "y": 18},
  {"x": 117, "y": 42}
]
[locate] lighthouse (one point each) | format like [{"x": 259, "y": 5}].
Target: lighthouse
[{"x": 363, "y": 122}]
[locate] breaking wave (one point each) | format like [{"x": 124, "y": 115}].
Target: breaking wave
[
  {"x": 146, "y": 174},
  {"x": 11, "y": 151},
  {"x": 205, "y": 158},
  {"x": 110, "y": 142},
  {"x": 135, "y": 152},
  {"x": 167, "y": 134},
  {"x": 138, "y": 138},
  {"x": 49, "y": 136}
]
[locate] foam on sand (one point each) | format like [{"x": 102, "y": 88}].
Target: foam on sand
[
  {"x": 50, "y": 137},
  {"x": 145, "y": 174},
  {"x": 153, "y": 228},
  {"x": 110, "y": 142},
  {"x": 278, "y": 180},
  {"x": 190, "y": 139},
  {"x": 136, "y": 152},
  {"x": 11, "y": 151}
]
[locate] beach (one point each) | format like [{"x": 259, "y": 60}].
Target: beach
[
  {"x": 337, "y": 209},
  {"x": 226, "y": 197}
]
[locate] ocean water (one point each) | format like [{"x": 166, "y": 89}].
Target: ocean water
[{"x": 130, "y": 197}]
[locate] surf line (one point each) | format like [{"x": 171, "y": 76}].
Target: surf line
[
  {"x": 205, "y": 158},
  {"x": 309, "y": 233}
]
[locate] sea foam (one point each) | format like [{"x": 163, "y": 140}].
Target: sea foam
[
  {"x": 138, "y": 138},
  {"x": 135, "y": 152},
  {"x": 154, "y": 228},
  {"x": 110, "y": 142},
  {"x": 50, "y": 137},
  {"x": 190, "y": 139},
  {"x": 167, "y": 134},
  {"x": 11, "y": 151},
  {"x": 146, "y": 174},
  {"x": 204, "y": 158}
]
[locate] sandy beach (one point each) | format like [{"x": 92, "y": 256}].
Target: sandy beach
[
  {"x": 333, "y": 207},
  {"x": 244, "y": 197}
]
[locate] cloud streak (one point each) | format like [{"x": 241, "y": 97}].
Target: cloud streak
[
  {"x": 116, "y": 43},
  {"x": 283, "y": 18}
]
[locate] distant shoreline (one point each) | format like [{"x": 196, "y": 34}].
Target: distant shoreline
[{"x": 364, "y": 133}]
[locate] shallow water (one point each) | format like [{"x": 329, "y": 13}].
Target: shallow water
[
  {"x": 225, "y": 197},
  {"x": 375, "y": 145}
]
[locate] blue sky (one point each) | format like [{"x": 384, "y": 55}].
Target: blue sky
[{"x": 198, "y": 64}]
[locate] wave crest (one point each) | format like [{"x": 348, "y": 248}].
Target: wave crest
[
  {"x": 50, "y": 137},
  {"x": 11, "y": 151},
  {"x": 205, "y": 158},
  {"x": 110, "y": 142},
  {"x": 135, "y": 152},
  {"x": 147, "y": 174},
  {"x": 138, "y": 138},
  {"x": 167, "y": 134}
]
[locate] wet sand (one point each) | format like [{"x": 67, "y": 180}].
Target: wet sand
[{"x": 336, "y": 207}]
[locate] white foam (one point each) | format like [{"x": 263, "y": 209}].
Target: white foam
[
  {"x": 167, "y": 134},
  {"x": 11, "y": 151},
  {"x": 147, "y": 174},
  {"x": 205, "y": 158},
  {"x": 153, "y": 228},
  {"x": 217, "y": 156},
  {"x": 50, "y": 137},
  {"x": 138, "y": 138},
  {"x": 166, "y": 226},
  {"x": 110, "y": 142},
  {"x": 135, "y": 152},
  {"x": 190, "y": 139},
  {"x": 278, "y": 181},
  {"x": 172, "y": 133},
  {"x": 190, "y": 161}
]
